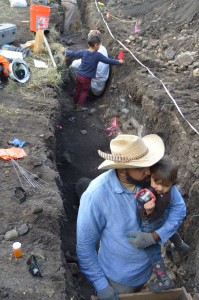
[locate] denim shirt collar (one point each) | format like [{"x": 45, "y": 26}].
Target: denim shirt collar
[{"x": 117, "y": 185}]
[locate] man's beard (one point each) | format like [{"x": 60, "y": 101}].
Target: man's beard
[{"x": 142, "y": 183}]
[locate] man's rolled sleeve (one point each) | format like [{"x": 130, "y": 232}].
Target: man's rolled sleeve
[{"x": 177, "y": 212}]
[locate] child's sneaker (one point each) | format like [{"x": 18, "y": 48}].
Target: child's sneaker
[
  {"x": 81, "y": 108},
  {"x": 162, "y": 284},
  {"x": 183, "y": 247},
  {"x": 163, "y": 281}
]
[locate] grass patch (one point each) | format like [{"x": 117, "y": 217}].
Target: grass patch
[{"x": 9, "y": 112}]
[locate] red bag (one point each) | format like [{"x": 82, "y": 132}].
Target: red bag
[{"x": 5, "y": 64}]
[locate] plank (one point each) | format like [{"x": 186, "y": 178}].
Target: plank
[
  {"x": 196, "y": 297},
  {"x": 174, "y": 294}
]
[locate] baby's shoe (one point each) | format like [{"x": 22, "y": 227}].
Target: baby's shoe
[
  {"x": 161, "y": 284},
  {"x": 183, "y": 247}
]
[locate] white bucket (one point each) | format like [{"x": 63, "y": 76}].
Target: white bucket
[{"x": 19, "y": 70}]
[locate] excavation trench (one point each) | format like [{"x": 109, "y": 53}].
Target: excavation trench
[
  {"x": 79, "y": 139},
  {"x": 140, "y": 105}
]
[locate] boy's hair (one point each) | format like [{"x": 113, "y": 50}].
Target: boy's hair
[
  {"x": 165, "y": 171},
  {"x": 94, "y": 39}
]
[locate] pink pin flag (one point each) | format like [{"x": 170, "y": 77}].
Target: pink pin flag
[
  {"x": 114, "y": 123},
  {"x": 136, "y": 30},
  {"x": 113, "y": 128},
  {"x": 110, "y": 134}
]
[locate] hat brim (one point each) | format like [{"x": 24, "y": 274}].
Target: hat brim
[{"x": 156, "y": 151}]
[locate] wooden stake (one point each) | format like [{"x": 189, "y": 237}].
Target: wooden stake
[
  {"x": 39, "y": 40},
  {"x": 49, "y": 51}
]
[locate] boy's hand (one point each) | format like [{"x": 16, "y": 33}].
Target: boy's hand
[
  {"x": 149, "y": 206},
  {"x": 63, "y": 50},
  {"x": 121, "y": 61}
]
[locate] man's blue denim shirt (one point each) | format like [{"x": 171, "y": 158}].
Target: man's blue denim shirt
[{"x": 107, "y": 212}]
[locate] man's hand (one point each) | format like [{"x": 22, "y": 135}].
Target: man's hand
[
  {"x": 141, "y": 239},
  {"x": 107, "y": 294}
]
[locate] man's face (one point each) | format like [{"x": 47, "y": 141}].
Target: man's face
[{"x": 138, "y": 176}]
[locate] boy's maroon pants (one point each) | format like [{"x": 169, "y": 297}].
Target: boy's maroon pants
[{"x": 81, "y": 89}]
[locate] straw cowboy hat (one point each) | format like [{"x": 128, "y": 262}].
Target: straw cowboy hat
[{"x": 131, "y": 151}]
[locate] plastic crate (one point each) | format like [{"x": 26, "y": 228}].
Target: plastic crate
[{"x": 7, "y": 33}]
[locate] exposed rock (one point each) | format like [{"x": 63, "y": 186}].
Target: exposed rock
[
  {"x": 154, "y": 43},
  {"x": 184, "y": 59},
  {"x": 37, "y": 209},
  {"x": 11, "y": 235},
  {"x": 196, "y": 72},
  {"x": 125, "y": 111},
  {"x": 83, "y": 131},
  {"x": 23, "y": 229},
  {"x": 169, "y": 53}
]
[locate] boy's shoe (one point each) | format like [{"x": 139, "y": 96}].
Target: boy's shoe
[
  {"x": 162, "y": 284},
  {"x": 81, "y": 108},
  {"x": 183, "y": 247}
]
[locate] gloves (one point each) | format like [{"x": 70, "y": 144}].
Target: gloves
[
  {"x": 16, "y": 143},
  {"x": 107, "y": 294},
  {"x": 141, "y": 239}
]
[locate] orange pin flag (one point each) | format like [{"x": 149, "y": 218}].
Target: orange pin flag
[
  {"x": 136, "y": 30},
  {"x": 108, "y": 15},
  {"x": 121, "y": 55}
]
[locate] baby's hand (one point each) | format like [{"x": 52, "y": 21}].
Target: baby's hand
[
  {"x": 121, "y": 61},
  {"x": 149, "y": 206}
]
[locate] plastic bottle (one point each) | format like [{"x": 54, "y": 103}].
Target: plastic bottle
[{"x": 17, "y": 249}]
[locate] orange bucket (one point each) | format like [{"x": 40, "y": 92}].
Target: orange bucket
[{"x": 39, "y": 17}]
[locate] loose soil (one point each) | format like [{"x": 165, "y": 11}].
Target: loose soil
[{"x": 62, "y": 144}]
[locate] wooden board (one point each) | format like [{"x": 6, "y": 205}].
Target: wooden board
[
  {"x": 174, "y": 294},
  {"x": 196, "y": 297}
]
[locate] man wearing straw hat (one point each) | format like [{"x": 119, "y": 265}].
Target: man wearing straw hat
[{"x": 108, "y": 214}]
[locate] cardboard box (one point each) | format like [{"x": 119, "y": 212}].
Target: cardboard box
[
  {"x": 174, "y": 294},
  {"x": 7, "y": 33},
  {"x": 196, "y": 297}
]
